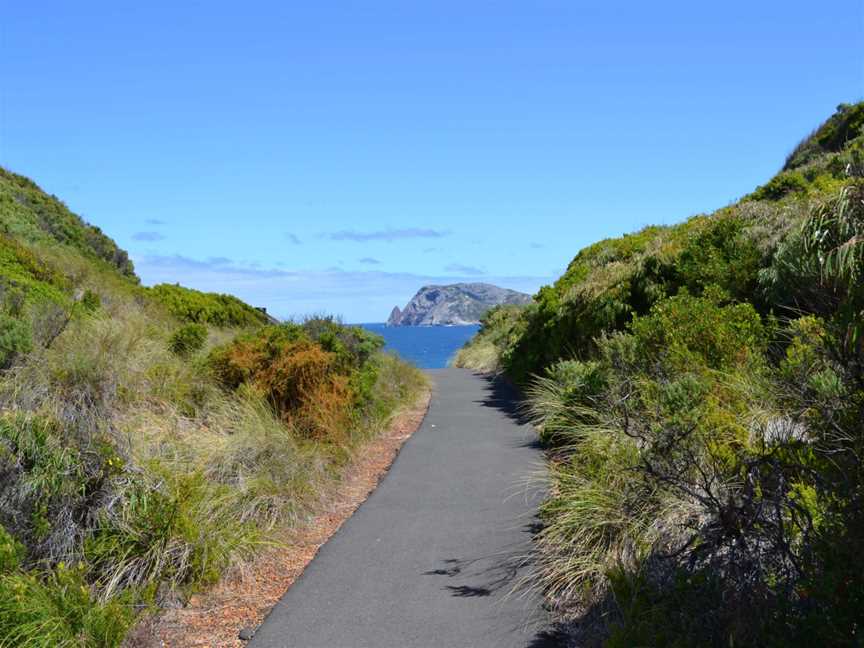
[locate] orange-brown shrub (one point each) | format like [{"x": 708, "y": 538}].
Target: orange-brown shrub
[
  {"x": 308, "y": 386},
  {"x": 325, "y": 412},
  {"x": 295, "y": 373},
  {"x": 237, "y": 363}
]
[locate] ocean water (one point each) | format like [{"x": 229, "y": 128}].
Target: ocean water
[{"x": 428, "y": 347}]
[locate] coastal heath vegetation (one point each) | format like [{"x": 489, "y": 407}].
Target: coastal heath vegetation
[
  {"x": 700, "y": 391},
  {"x": 153, "y": 438}
]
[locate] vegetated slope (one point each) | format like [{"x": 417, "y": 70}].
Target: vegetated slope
[
  {"x": 453, "y": 304},
  {"x": 150, "y": 438},
  {"x": 31, "y": 215},
  {"x": 208, "y": 308},
  {"x": 701, "y": 390}
]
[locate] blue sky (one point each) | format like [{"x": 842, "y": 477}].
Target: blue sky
[{"x": 333, "y": 157}]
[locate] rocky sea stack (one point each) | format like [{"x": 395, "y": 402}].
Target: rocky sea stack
[{"x": 455, "y": 304}]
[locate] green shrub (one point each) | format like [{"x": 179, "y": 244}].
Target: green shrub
[
  {"x": 188, "y": 340},
  {"x": 834, "y": 135},
  {"x": 583, "y": 381},
  {"x": 15, "y": 339},
  {"x": 352, "y": 345},
  {"x": 499, "y": 328},
  {"x": 701, "y": 388},
  {"x": 197, "y": 307},
  {"x": 687, "y": 611},
  {"x": 25, "y": 271},
  {"x": 90, "y": 301},
  {"x": 691, "y": 329},
  {"x": 31, "y": 214},
  {"x": 58, "y": 610},
  {"x": 611, "y": 282},
  {"x": 781, "y": 186},
  {"x": 11, "y": 552},
  {"x": 717, "y": 252},
  {"x": 396, "y": 383}
]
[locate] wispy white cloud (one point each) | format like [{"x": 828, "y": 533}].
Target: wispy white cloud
[
  {"x": 464, "y": 270},
  {"x": 219, "y": 261},
  {"x": 148, "y": 236},
  {"x": 216, "y": 267},
  {"x": 388, "y": 234}
]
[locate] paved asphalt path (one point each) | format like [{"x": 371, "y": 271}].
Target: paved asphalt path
[{"x": 433, "y": 556}]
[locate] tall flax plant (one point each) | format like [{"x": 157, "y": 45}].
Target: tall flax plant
[{"x": 834, "y": 236}]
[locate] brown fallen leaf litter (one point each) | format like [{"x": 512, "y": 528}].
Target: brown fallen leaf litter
[{"x": 245, "y": 595}]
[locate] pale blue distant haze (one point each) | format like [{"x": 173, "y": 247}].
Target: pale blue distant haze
[{"x": 334, "y": 156}]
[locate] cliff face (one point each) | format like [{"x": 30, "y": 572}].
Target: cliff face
[{"x": 453, "y": 304}]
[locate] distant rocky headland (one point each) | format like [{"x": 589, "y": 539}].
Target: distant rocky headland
[{"x": 454, "y": 304}]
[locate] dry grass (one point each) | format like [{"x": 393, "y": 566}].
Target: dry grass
[
  {"x": 479, "y": 355},
  {"x": 140, "y": 466},
  {"x": 247, "y": 592}
]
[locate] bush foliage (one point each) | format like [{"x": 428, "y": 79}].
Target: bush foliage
[
  {"x": 701, "y": 390},
  {"x": 27, "y": 213},
  {"x": 313, "y": 374},
  {"x": 188, "y": 339},
  {"x": 197, "y": 307},
  {"x": 152, "y": 438}
]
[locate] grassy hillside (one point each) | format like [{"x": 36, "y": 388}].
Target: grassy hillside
[
  {"x": 700, "y": 388},
  {"x": 150, "y": 438}
]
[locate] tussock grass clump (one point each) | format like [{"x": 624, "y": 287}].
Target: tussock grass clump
[
  {"x": 600, "y": 517},
  {"x": 560, "y": 403},
  {"x": 480, "y": 355}
]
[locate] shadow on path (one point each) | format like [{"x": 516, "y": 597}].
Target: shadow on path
[
  {"x": 503, "y": 396},
  {"x": 550, "y": 639},
  {"x": 502, "y": 573},
  {"x": 487, "y": 575}
]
